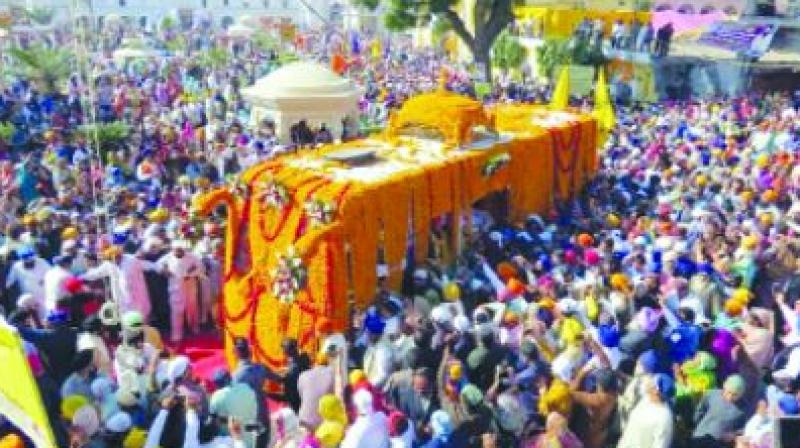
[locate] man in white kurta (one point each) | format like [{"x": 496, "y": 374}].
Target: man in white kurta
[
  {"x": 370, "y": 430},
  {"x": 54, "y": 280},
  {"x": 651, "y": 422},
  {"x": 28, "y": 274},
  {"x": 183, "y": 269}
]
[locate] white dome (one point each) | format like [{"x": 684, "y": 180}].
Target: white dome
[{"x": 302, "y": 80}]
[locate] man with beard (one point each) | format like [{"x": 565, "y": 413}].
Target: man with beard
[
  {"x": 28, "y": 274},
  {"x": 183, "y": 269}
]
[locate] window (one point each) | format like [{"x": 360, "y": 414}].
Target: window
[
  {"x": 123, "y": 3},
  {"x": 266, "y": 4},
  {"x": 204, "y": 3},
  {"x": 225, "y": 2},
  {"x": 285, "y": 4}
]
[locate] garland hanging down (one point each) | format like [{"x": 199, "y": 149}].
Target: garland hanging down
[
  {"x": 289, "y": 277},
  {"x": 320, "y": 212}
]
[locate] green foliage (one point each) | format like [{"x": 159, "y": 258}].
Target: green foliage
[
  {"x": 490, "y": 19},
  {"x": 40, "y": 15},
  {"x": 586, "y": 53},
  {"x": 553, "y": 53},
  {"x": 6, "y": 131},
  {"x": 108, "y": 136},
  {"x": 168, "y": 23},
  {"x": 264, "y": 41},
  {"x": 557, "y": 52},
  {"x": 439, "y": 27},
  {"x": 47, "y": 66},
  {"x": 508, "y": 53},
  {"x": 176, "y": 45},
  {"x": 213, "y": 58}
]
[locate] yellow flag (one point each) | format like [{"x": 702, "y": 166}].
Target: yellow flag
[
  {"x": 20, "y": 401},
  {"x": 376, "y": 49},
  {"x": 560, "y": 99},
  {"x": 603, "y": 109}
]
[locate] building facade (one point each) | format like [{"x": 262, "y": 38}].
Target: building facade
[{"x": 149, "y": 13}]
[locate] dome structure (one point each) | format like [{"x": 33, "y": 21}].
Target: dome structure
[{"x": 303, "y": 91}]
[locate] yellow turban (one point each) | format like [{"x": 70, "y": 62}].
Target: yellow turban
[
  {"x": 750, "y": 242},
  {"x": 762, "y": 160},
  {"x": 28, "y": 219},
  {"x": 43, "y": 214},
  {"x": 766, "y": 218},
  {"x": 571, "y": 331},
  {"x": 357, "y": 376},
  {"x": 331, "y": 408},
  {"x": 620, "y": 282},
  {"x": 455, "y": 371},
  {"x": 330, "y": 434},
  {"x": 746, "y": 195},
  {"x": 452, "y": 292},
  {"x": 71, "y": 404},
  {"x": 70, "y": 233},
  {"x": 741, "y": 294},
  {"x": 556, "y": 399},
  {"x": 158, "y": 215},
  {"x": 112, "y": 252},
  {"x": 136, "y": 438},
  {"x": 701, "y": 180},
  {"x": 613, "y": 220}
]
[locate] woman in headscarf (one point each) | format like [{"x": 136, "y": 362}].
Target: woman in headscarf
[
  {"x": 286, "y": 431},
  {"x": 556, "y": 435}
]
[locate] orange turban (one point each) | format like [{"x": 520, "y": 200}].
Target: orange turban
[
  {"x": 515, "y": 287},
  {"x": 506, "y": 271},
  {"x": 12, "y": 441},
  {"x": 585, "y": 240},
  {"x": 733, "y": 307},
  {"x": 769, "y": 196}
]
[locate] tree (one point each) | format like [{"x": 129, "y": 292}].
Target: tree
[
  {"x": 508, "y": 53},
  {"x": 39, "y": 15},
  {"x": 47, "y": 66},
  {"x": 109, "y": 137},
  {"x": 551, "y": 54},
  {"x": 491, "y": 17},
  {"x": 213, "y": 58}
]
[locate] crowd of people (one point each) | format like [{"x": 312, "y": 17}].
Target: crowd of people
[{"x": 660, "y": 307}]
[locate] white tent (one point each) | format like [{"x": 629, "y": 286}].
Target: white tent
[
  {"x": 126, "y": 54},
  {"x": 303, "y": 91},
  {"x": 240, "y": 30}
]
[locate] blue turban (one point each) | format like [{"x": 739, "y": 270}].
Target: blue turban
[
  {"x": 374, "y": 324},
  {"x": 665, "y": 386},
  {"x": 649, "y": 361},
  {"x": 119, "y": 238},
  {"x": 25, "y": 252},
  {"x": 685, "y": 267},
  {"x": 547, "y": 264},
  {"x": 57, "y": 317},
  {"x": 609, "y": 335}
]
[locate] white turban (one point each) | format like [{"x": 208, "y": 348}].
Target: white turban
[
  {"x": 177, "y": 368},
  {"x": 362, "y": 400},
  {"x": 120, "y": 422},
  {"x": 87, "y": 420}
]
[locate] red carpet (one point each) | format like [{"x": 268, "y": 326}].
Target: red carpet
[{"x": 206, "y": 353}]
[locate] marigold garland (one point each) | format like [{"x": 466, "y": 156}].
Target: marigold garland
[{"x": 337, "y": 240}]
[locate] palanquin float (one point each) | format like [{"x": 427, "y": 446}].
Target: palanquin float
[{"x": 306, "y": 231}]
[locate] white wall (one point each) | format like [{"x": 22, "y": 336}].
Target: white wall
[{"x": 154, "y": 10}]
